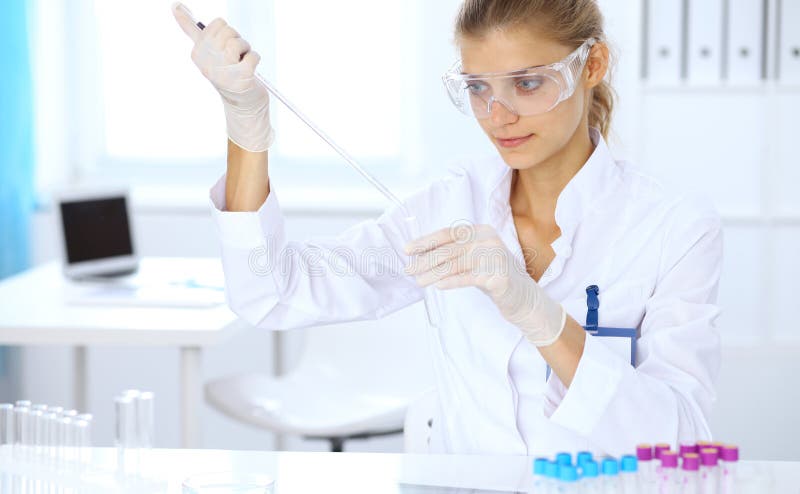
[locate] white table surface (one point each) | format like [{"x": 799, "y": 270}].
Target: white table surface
[
  {"x": 300, "y": 472},
  {"x": 35, "y": 309}
]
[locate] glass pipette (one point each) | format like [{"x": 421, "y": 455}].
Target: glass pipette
[{"x": 429, "y": 298}]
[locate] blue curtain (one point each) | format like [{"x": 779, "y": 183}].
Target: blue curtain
[
  {"x": 16, "y": 150},
  {"x": 16, "y": 138}
]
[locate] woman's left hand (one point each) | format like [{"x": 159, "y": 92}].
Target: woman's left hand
[{"x": 474, "y": 255}]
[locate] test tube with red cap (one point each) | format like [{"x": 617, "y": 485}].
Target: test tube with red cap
[
  {"x": 728, "y": 459},
  {"x": 668, "y": 471},
  {"x": 647, "y": 467},
  {"x": 709, "y": 473},
  {"x": 690, "y": 469},
  {"x": 660, "y": 448}
]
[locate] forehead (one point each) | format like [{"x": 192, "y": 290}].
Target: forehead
[{"x": 509, "y": 49}]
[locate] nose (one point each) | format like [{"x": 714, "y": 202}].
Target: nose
[{"x": 500, "y": 113}]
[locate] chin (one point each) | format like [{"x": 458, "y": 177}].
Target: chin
[{"x": 518, "y": 159}]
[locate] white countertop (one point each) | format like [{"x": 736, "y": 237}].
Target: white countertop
[
  {"x": 35, "y": 308},
  {"x": 301, "y": 472}
]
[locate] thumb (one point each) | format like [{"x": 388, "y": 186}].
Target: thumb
[{"x": 186, "y": 21}]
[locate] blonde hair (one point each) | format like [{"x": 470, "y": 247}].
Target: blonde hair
[{"x": 569, "y": 22}]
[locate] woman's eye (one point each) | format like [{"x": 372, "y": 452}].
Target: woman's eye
[
  {"x": 529, "y": 85},
  {"x": 477, "y": 87}
]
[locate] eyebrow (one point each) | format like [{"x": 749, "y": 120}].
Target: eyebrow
[{"x": 509, "y": 73}]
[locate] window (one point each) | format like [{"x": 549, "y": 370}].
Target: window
[{"x": 130, "y": 106}]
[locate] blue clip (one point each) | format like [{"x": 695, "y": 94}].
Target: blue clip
[{"x": 592, "y": 304}]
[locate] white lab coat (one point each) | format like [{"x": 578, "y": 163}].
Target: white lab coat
[{"x": 655, "y": 255}]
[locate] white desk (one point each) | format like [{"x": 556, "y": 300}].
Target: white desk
[
  {"x": 34, "y": 310},
  {"x": 295, "y": 472}
]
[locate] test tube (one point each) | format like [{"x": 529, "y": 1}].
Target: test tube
[
  {"x": 6, "y": 426},
  {"x": 82, "y": 432},
  {"x": 551, "y": 474},
  {"x": 430, "y": 293},
  {"x": 583, "y": 457},
  {"x": 667, "y": 472},
  {"x": 629, "y": 474},
  {"x": 709, "y": 473},
  {"x": 660, "y": 448},
  {"x": 564, "y": 458},
  {"x": 610, "y": 471},
  {"x": 539, "y": 465},
  {"x": 687, "y": 448},
  {"x": 568, "y": 475},
  {"x": 124, "y": 427},
  {"x": 51, "y": 434},
  {"x": 690, "y": 467},
  {"x": 21, "y": 430},
  {"x": 38, "y": 428},
  {"x": 644, "y": 455},
  {"x": 145, "y": 419},
  {"x": 729, "y": 458},
  {"x": 590, "y": 472},
  {"x": 64, "y": 424}
]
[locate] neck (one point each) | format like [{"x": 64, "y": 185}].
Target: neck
[{"x": 535, "y": 190}]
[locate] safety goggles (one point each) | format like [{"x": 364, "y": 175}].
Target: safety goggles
[{"x": 524, "y": 92}]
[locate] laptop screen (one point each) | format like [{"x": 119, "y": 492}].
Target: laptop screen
[{"x": 96, "y": 229}]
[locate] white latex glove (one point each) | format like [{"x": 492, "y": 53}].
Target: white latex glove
[
  {"x": 476, "y": 256},
  {"x": 227, "y": 61}
]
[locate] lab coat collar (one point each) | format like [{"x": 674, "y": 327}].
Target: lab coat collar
[{"x": 581, "y": 194}]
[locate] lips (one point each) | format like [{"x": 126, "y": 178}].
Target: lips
[{"x": 514, "y": 141}]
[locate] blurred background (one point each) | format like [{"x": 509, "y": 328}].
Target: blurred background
[{"x": 104, "y": 93}]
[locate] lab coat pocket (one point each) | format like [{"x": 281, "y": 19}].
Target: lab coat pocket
[{"x": 622, "y": 303}]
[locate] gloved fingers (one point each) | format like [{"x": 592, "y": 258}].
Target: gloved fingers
[
  {"x": 428, "y": 260},
  {"x": 213, "y": 28},
  {"x": 429, "y": 241},
  {"x": 221, "y": 38},
  {"x": 234, "y": 49},
  {"x": 457, "y": 280},
  {"x": 251, "y": 59},
  {"x": 184, "y": 18},
  {"x": 459, "y": 264}
]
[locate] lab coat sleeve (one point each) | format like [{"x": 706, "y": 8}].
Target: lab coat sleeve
[
  {"x": 274, "y": 283},
  {"x": 668, "y": 396}
]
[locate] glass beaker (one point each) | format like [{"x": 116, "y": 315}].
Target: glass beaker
[{"x": 228, "y": 483}]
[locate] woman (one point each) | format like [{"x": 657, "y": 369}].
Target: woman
[{"x": 525, "y": 233}]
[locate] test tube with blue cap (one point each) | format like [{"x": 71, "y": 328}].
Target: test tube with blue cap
[
  {"x": 568, "y": 477},
  {"x": 629, "y": 474},
  {"x": 539, "y": 478},
  {"x": 430, "y": 297},
  {"x": 609, "y": 469},
  {"x": 590, "y": 482}
]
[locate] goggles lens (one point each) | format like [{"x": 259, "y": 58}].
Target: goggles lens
[{"x": 525, "y": 92}]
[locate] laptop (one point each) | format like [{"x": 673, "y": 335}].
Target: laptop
[{"x": 100, "y": 259}]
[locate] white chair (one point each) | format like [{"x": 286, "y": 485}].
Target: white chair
[
  {"x": 353, "y": 381},
  {"x": 418, "y": 425}
]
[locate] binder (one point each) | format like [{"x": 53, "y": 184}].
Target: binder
[
  {"x": 789, "y": 42},
  {"x": 664, "y": 28},
  {"x": 744, "y": 57},
  {"x": 704, "y": 41}
]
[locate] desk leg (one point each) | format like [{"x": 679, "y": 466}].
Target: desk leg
[
  {"x": 278, "y": 369},
  {"x": 79, "y": 380},
  {"x": 191, "y": 401}
]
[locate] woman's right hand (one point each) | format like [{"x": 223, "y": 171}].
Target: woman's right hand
[{"x": 226, "y": 60}]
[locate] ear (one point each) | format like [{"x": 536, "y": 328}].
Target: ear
[{"x": 596, "y": 65}]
